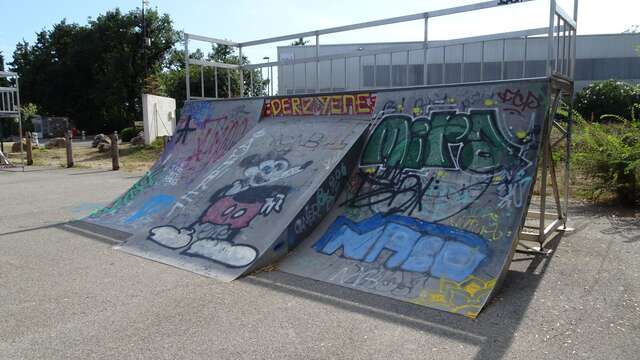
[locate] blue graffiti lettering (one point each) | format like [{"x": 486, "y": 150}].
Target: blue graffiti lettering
[{"x": 415, "y": 245}]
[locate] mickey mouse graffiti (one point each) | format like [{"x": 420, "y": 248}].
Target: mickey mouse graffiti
[{"x": 232, "y": 209}]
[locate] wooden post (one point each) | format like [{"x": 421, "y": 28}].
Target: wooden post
[
  {"x": 69, "y": 149},
  {"x": 29, "y": 150},
  {"x": 115, "y": 155}
]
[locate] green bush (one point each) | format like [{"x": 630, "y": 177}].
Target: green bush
[
  {"x": 128, "y": 133},
  {"x": 607, "y": 97},
  {"x": 608, "y": 155}
]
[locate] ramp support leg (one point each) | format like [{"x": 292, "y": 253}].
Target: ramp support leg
[{"x": 544, "y": 231}]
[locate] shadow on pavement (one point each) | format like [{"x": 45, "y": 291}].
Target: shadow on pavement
[
  {"x": 492, "y": 333},
  {"x": 72, "y": 227}
]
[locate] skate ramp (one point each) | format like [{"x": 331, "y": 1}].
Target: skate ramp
[
  {"x": 432, "y": 214},
  {"x": 250, "y": 206},
  {"x": 205, "y": 132}
]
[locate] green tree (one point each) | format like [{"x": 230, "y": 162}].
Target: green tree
[
  {"x": 94, "y": 73},
  {"x": 607, "y": 97}
]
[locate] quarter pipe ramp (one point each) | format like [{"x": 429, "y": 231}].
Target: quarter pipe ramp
[{"x": 414, "y": 194}]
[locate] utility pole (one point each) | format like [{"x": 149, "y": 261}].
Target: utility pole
[{"x": 144, "y": 45}]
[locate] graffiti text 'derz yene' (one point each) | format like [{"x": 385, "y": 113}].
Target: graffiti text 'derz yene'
[
  {"x": 446, "y": 139},
  {"x": 356, "y": 104}
]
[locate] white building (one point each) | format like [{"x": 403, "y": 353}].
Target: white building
[{"x": 599, "y": 57}]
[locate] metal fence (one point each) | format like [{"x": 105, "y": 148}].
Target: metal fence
[{"x": 425, "y": 63}]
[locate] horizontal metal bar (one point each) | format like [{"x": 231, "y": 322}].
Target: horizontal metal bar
[
  {"x": 536, "y": 215},
  {"x": 490, "y": 37},
  {"x": 8, "y": 74},
  {"x": 563, "y": 14},
  {"x": 211, "y": 40},
  {"x": 213, "y": 64},
  {"x": 409, "y": 47},
  {"x": 202, "y": 98},
  {"x": 8, "y": 89},
  {"x": 388, "y": 21}
]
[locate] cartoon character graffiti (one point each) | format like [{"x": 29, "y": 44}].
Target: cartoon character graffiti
[{"x": 232, "y": 209}]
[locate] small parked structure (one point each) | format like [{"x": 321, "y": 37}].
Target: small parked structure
[{"x": 159, "y": 116}]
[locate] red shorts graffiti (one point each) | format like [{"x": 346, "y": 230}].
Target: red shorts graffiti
[{"x": 354, "y": 104}]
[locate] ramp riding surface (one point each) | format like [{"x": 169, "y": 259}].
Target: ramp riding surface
[
  {"x": 243, "y": 210},
  {"x": 432, "y": 214}
]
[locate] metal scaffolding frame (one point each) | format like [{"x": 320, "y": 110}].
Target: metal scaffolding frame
[
  {"x": 559, "y": 34},
  {"x": 10, "y": 104}
]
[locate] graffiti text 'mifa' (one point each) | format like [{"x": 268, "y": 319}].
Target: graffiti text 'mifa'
[{"x": 355, "y": 104}]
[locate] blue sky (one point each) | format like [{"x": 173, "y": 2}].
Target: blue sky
[{"x": 242, "y": 20}]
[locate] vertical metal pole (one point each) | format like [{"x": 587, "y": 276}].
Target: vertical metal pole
[
  {"x": 482, "y": 63},
  {"x": 444, "y": 64},
  {"x": 201, "y": 81},
  {"x": 462, "y": 66},
  {"x": 504, "y": 45},
  {"x": 345, "y": 74},
  {"x": 552, "y": 14},
  {"x": 543, "y": 178},
  {"x": 271, "y": 78},
  {"x": 360, "y": 83},
  {"x": 215, "y": 74},
  {"x": 317, "y": 62},
  {"x": 569, "y": 52},
  {"x": 407, "y": 69},
  {"x": 186, "y": 64},
  {"x": 306, "y": 85},
  {"x": 251, "y": 82},
  {"x": 241, "y": 71},
  {"x": 228, "y": 83},
  {"x": 524, "y": 61},
  {"x": 558, "y": 46},
  {"x": 331, "y": 74},
  {"x": 293, "y": 73},
  {"x": 426, "y": 47},
  {"x": 564, "y": 48},
  {"x": 375, "y": 70},
  {"x": 567, "y": 163},
  {"x": 390, "y": 69}
]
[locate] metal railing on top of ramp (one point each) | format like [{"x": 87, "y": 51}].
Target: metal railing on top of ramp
[{"x": 558, "y": 39}]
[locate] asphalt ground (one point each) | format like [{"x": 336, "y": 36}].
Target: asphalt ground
[{"x": 65, "y": 294}]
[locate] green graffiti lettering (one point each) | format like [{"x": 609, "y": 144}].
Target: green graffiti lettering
[{"x": 445, "y": 139}]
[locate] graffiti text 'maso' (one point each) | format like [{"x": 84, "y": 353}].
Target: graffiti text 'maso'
[{"x": 445, "y": 139}]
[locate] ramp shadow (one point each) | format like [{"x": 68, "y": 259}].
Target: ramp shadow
[
  {"x": 492, "y": 332},
  {"x": 78, "y": 228}
]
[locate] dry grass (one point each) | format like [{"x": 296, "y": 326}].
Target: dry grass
[{"x": 132, "y": 158}]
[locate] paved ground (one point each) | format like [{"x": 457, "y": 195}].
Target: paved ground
[{"x": 67, "y": 295}]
